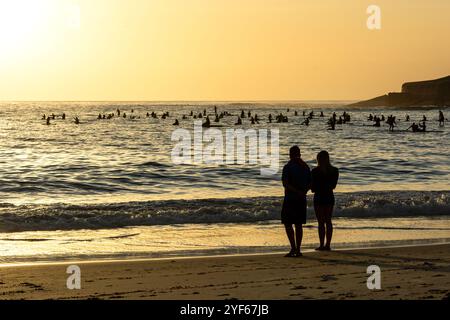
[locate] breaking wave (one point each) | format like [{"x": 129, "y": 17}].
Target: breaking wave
[{"x": 233, "y": 210}]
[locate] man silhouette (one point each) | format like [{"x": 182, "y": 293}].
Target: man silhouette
[{"x": 296, "y": 181}]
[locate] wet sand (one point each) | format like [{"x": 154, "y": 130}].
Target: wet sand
[{"x": 419, "y": 272}]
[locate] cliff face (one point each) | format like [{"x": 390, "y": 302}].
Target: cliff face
[
  {"x": 420, "y": 93},
  {"x": 438, "y": 90}
]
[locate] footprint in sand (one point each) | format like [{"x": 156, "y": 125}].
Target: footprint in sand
[
  {"x": 12, "y": 292},
  {"x": 328, "y": 278},
  {"x": 437, "y": 291},
  {"x": 32, "y": 286},
  {"x": 429, "y": 265},
  {"x": 299, "y": 288}
]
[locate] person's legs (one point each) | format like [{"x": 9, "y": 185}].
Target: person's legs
[
  {"x": 291, "y": 236},
  {"x": 299, "y": 238},
  {"x": 328, "y": 212},
  {"x": 321, "y": 225}
]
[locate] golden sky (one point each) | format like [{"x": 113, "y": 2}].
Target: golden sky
[{"x": 217, "y": 49}]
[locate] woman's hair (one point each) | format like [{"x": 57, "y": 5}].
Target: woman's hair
[{"x": 323, "y": 159}]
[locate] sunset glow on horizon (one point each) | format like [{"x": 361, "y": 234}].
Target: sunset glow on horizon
[{"x": 217, "y": 49}]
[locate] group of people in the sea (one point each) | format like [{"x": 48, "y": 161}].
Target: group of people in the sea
[
  {"x": 253, "y": 118},
  {"x": 333, "y": 121},
  {"x": 49, "y": 118},
  {"x": 298, "y": 180},
  {"x": 391, "y": 120}
]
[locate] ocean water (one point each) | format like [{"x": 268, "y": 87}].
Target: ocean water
[{"x": 112, "y": 183}]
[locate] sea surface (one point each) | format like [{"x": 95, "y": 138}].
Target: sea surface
[{"x": 109, "y": 188}]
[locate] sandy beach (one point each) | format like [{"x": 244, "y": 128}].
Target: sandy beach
[{"x": 416, "y": 272}]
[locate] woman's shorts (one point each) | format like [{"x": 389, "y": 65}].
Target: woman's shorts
[{"x": 324, "y": 199}]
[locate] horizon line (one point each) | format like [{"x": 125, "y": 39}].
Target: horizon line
[{"x": 180, "y": 101}]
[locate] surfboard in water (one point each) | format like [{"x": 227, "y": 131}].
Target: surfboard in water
[{"x": 428, "y": 131}]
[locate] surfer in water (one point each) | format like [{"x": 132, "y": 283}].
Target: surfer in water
[
  {"x": 423, "y": 126},
  {"x": 306, "y": 122},
  {"x": 207, "y": 123},
  {"x": 441, "y": 119},
  {"x": 377, "y": 122},
  {"x": 418, "y": 127},
  {"x": 391, "y": 121},
  {"x": 414, "y": 127},
  {"x": 332, "y": 124}
]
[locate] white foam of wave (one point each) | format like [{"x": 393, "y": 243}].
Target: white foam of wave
[{"x": 107, "y": 216}]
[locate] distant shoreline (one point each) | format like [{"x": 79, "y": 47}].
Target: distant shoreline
[{"x": 420, "y": 93}]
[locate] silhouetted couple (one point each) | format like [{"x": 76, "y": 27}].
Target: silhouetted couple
[{"x": 298, "y": 179}]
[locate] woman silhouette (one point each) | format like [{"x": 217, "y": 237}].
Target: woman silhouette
[{"x": 324, "y": 181}]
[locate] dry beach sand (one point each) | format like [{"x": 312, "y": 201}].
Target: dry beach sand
[{"x": 416, "y": 272}]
